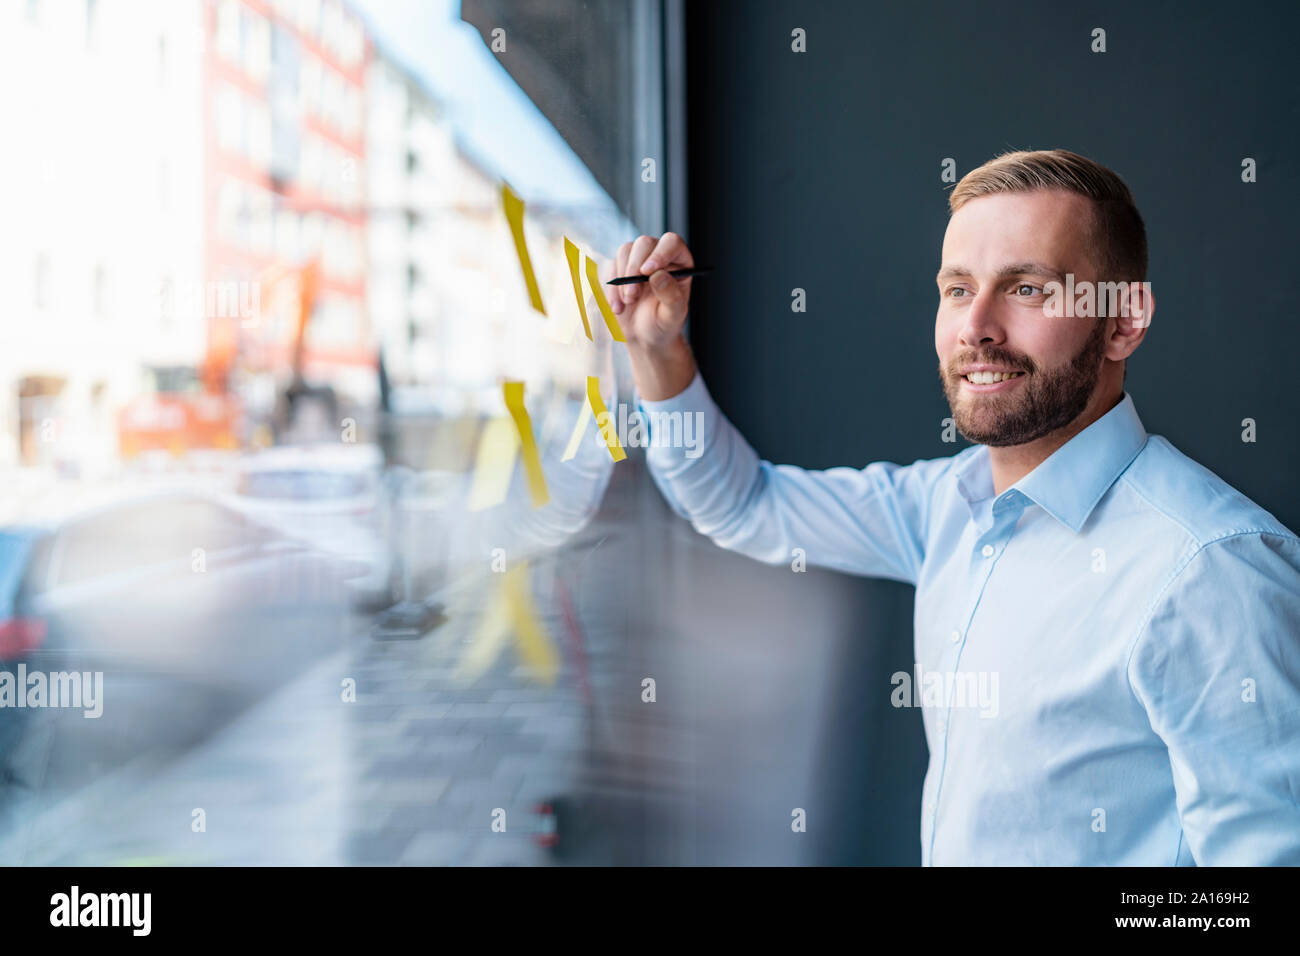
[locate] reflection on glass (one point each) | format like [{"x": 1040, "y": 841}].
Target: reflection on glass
[{"x": 266, "y": 300}]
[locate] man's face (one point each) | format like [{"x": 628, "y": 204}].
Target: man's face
[{"x": 998, "y": 253}]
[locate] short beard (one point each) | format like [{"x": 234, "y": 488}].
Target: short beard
[{"x": 1051, "y": 398}]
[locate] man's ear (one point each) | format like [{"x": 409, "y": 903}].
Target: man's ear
[
  {"x": 1133, "y": 321},
  {"x": 1142, "y": 303}
]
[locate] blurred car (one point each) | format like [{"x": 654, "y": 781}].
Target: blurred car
[
  {"x": 191, "y": 611},
  {"x": 21, "y": 549},
  {"x": 330, "y": 498}
]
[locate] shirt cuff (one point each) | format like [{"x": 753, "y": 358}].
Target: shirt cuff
[
  {"x": 678, "y": 431},
  {"x": 694, "y": 397}
]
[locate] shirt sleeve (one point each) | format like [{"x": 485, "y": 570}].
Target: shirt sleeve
[
  {"x": 867, "y": 521},
  {"x": 1217, "y": 668}
]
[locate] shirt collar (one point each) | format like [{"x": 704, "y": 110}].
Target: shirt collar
[{"x": 1070, "y": 482}]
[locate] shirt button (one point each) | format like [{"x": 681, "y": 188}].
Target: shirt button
[
  {"x": 942, "y": 725},
  {"x": 987, "y": 551},
  {"x": 956, "y": 636},
  {"x": 930, "y": 806}
]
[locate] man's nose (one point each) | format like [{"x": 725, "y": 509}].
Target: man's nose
[{"x": 983, "y": 325}]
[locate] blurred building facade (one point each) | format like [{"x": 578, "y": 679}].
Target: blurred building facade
[
  {"x": 177, "y": 163},
  {"x": 285, "y": 155},
  {"x": 444, "y": 286},
  {"x": 103, "y": 178},
  {"x": 410, "y": 150}
]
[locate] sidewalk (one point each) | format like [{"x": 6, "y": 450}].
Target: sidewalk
[
  {"x": 412, "y": 772},
  {"x": 272, "y": 785}
]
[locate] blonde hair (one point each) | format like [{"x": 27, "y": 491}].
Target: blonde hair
[{"x": 1118, "y": 240}]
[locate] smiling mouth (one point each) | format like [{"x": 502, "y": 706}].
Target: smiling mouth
[{"x": 989, "y": 378}]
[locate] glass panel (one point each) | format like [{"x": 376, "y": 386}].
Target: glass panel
[{"x": 265, "y": 406}]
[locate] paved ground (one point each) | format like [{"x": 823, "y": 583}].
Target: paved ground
[
  {"x": 435, "y": 759},
  {"x": 272, "y": 785},
  {"x": 411, "y": 772}
]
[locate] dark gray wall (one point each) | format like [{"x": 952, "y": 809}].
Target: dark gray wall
[{"x": 821, "y": 170}]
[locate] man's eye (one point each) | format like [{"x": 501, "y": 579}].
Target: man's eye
[
  {"x": 956, "y": 292},
  {"x": 1033, "y": 289}
]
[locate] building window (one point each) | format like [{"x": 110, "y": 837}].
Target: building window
[
  {"x": 41, "y": 282},
  {"x": 166, "y": 303},
  {"x": 312, "y": 161},
  {"x": 99, "y": 291},
  {"x": 353, "y": 43},
  {"x": 229, "y": 211},
  {"x": 309, "y": 17},
  {"x": 230, "y": 120},
  {"x": 228, "y": 31},
  {"x": 286, "y": 234},
  {"x": 310, "y": 86},
  {"x": 257, "y": 48},
  {"x": 257, "y": 134},
  {"x": 261, "y": 224}
]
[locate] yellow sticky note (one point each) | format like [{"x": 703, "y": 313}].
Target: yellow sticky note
[
  {"x": 571, "y": 252},
  {"x": 534, "y": 644},
  {"x": 593, "y": 279},
  {"x": 514, "y": 207},
  {"x": 602, "y": 419},
  {"x": 514, "y": 393},
  {"x": 494, "y": 463}
]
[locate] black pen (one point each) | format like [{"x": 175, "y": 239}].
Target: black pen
[{"x": 675, "y": 273}]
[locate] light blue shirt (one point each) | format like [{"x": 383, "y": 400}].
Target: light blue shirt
[{"x": 1107, "y": 653}]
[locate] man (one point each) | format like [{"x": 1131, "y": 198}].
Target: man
[{"x": 1140, "y": 617}]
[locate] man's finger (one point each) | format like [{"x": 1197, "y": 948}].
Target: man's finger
[
  {"x": 611, "y": 272},
  {"x": 669, "y": 292},
  {"x": 669, "y": 252},
  {"x": 640, "y": 249}
]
